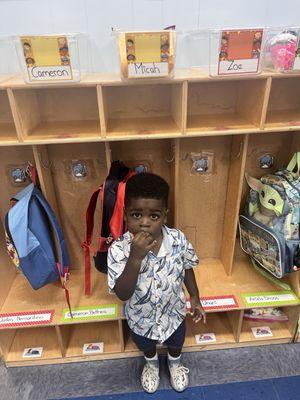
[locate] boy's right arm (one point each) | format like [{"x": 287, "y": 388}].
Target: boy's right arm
[{"x": 125, "y": 285}]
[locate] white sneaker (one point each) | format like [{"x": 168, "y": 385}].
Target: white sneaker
[
  {"x": 150, "y": 377},
  {"x": 178, "y": 376}
]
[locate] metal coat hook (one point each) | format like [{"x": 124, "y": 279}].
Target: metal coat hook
[{"x": 172, "y": 159}]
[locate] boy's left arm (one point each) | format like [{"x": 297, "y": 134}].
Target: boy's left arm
[{"x": 197, "y": 310}]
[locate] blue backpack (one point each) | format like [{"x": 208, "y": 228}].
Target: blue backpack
[{"x": 29, "y": 225}]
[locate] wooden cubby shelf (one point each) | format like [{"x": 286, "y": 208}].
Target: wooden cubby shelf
[
  {"x": 281, "y": 331},
  {"x": 139, "y": 110},
  {"x": 26, "y": 338},
  {"x": 76, "y": 335},
  {"x": 284, "y": 104},
  {"x": 57, "y": 113},
  {"x": 225, "y": 105},
  {"x": 236, "y": 120},
  {"x": 218, "y": 323}
]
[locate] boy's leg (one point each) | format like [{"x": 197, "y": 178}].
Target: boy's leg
[
  {"x": 178, "y": 372},
  {"x": 150, "y": 374}
]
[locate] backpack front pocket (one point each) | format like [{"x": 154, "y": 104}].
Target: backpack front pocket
[{"x": 263, "y": 244}]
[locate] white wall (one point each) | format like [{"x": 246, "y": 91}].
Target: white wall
[{"x": 97, "y": 17}]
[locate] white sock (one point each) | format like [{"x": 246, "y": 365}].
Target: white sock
[
  {"x": 155, "y": 358},
  {"x": 174, "y": 359}
]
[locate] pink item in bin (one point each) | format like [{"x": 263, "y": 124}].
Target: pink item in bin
[
  {"x": 283, "y": 49},
  {"x": 268, "y": 314}
]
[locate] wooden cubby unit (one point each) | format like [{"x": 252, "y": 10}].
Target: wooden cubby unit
[
  {"x": 57, "y": 113},
  {"x": 224, "y": 105},
  {"x": 157, "y": 123},
  {"x": 143, "y": 110},
  {"x": 284, "y": 104}
]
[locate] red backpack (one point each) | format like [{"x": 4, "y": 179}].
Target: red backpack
[{"x": 112, "y": 194}]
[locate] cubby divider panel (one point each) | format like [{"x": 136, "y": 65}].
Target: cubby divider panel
[
  {"x": 129, "y": 345},
  {"x": 7, "y": 126}
]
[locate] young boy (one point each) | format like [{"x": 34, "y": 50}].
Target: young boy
[{"x": 147, "y": 268}]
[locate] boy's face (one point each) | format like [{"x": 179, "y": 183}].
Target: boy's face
[{"x": 148, "y": 215}]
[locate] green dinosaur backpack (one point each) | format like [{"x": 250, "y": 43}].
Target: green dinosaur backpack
[{"x": 269, "y": 226}]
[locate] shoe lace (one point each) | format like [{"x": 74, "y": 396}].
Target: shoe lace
[
  {"x": 150, "y": 371},
  {"x": 177, "y": 371}
]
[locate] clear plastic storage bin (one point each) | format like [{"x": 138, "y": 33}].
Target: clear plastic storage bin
[
  {"x": 193, "y": 50},
  {"x": 8, "y": 59},
  {"x": 147, "y": 54},
  {"x": 49, "y": 58},
  {"x": 282, "y": 51},
  {"x": 236, "y": 51}
]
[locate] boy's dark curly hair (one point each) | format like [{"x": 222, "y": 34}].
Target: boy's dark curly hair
[{"x": 147, "y": 185}]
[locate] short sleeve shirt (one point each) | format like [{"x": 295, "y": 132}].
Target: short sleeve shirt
[{"x": 157, "y": 306}]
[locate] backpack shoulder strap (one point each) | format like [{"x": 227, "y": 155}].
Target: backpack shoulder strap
[
  {"x": 294, "y": 163},
  {"x": 87, "y": 244},
  {"x": 117, "y": 219},
  {"x": 63, "y": 264}
]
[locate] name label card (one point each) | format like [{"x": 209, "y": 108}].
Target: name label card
[
  {"x": 47, "y": 58},
  {"x": 216, "y": 303},
  {"x": 219, "y": 302},
  {"x": 269, "y": 299},
  {"x": 147, "y": 54},
  {"x": 148, "y": 69},
  {"x": 239, "y": 51},
  {"x": 106, "y": 311},
  {"x": 28, "y": 318}
]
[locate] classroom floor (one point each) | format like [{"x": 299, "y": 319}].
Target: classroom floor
[
  {"x": 122, "y": 376},
  {"x": 287, "y": 388}
]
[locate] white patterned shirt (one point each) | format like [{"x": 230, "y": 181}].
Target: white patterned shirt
[{"x": 157, "y": 306}]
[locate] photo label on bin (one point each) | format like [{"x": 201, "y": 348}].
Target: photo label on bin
[
  {"x": 148, "y": 54},
  {"x": 239, "y": 51},
  {"x": 269, "y": 299},
  {"x": 106, "y": 311},
  {"x": 43, "y": 317},
  {"x": 47, "y": 58}
]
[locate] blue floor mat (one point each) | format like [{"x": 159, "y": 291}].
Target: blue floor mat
[{"x": 287, "y": 388}]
